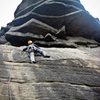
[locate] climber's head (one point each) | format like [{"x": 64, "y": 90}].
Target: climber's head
[{"x": 30, "y": 42}]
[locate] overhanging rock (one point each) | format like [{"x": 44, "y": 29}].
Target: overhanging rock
[{"x": 38, "y": 18}]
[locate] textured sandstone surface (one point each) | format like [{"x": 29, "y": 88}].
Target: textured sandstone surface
[{"x": 69, "y": 74}]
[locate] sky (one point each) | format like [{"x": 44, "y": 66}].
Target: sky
[
  {"x": 93, "y": 6},
  {"x": 8, "y": 7}
]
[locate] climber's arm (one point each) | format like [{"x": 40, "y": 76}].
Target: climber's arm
[{"x": 24, "y": 49}]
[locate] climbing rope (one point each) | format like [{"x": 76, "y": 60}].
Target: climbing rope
[{"x": 9, "y": 89}]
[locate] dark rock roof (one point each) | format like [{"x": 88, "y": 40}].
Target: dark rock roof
[{"x": 35, "y": 19}]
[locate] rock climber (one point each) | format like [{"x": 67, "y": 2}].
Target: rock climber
[{"x": 33, "y": 49}]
